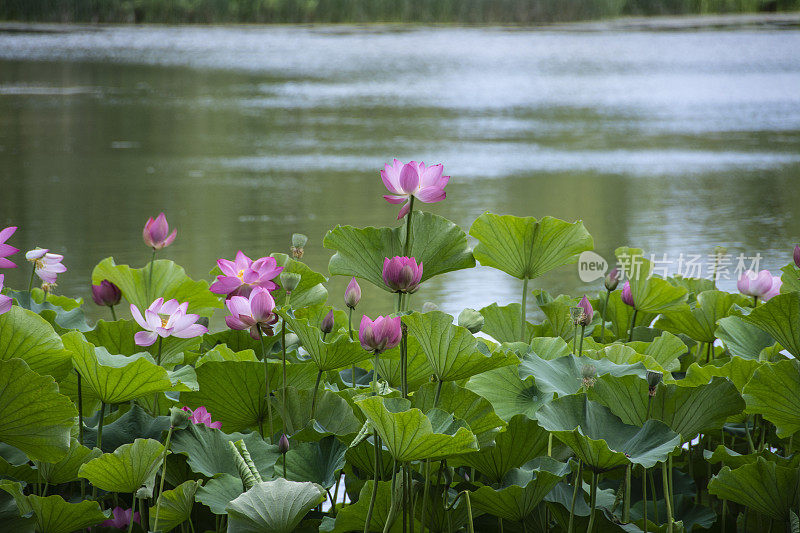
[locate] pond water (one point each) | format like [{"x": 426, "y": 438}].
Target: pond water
[{"x": 671, "y": 141}]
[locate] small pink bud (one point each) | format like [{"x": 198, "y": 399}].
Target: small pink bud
[
  {"x": 106, "y": 293},
  {"x": 352, "y": 295},
  {"x": 327, "y": 323},
  {"x": 588, "y": 312},
  {"x": 797, "y": 255},
  {"x": 627, "y": 296},
  {"x": 283, "y": 444}
]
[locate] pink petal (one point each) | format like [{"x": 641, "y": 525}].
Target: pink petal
[
  {"x": 395, "y": 199},
  {"x": 215, "y": 425},
  {"x": 6, "y": 263},
  {"x": 169, "y": 307},
  {"x": 430, "y": 195},
  {"x": 227, "y": 267},
  {"x": 409, "y": 178},
  {"x": 238, "y": 305},
  {"x": 234, "y": 323},
  {"x": 242, "y": 261},
  {"x": 156, "y": 305},
  {"x": 261, "y": 304},
  {"x": 404, "y": 211},
  {"x": 153, "y": 319},
  {"x": 137, "y": 316},
  {"x": 145, "y": 338},
  {"x": 7, "y": 249},
  {"x": 225, "y": 285},
  {"x": 7, "y": 232},
  {"x": 430, "y": 175},
  {"x": 5, "y": 304},
  {"x": 195, "y": 330}
]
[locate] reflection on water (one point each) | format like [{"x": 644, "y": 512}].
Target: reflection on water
[{"x": 674, "y": 142}]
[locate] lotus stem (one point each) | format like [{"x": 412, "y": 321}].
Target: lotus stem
[
  {"x": 500, "y": 524},
  {"x": 266, "y": 383},
  {"x": 283, "y": 385},
  {"x": 593, "y": 500},
  {"x": 724, "y": 512},
  {"x": 577, "y": 482},
  {"x": 653, "y": 490},
  {"x": 133, "y": 510},
  {"x": 405, "y": 496},
  {"x": 336, "y": 494},
  {"x": 375, "y": 374},
  {"x": 350, "y": 332},
  {"x": 709, "y": 352},
  {"x": 665, "y": 482},
  {"x": 393, "y": 502},
  {"x": 158, "y": 362},
  {"x": 626, "y": 506},
  {"x": 30, "y": 283},
  {"x": 80, "y": 409},
  {"x": 549, "y": 445},
  {"x": 671, "y": 486},
  {"x": 755, "y": 301},
  {"x": 425, "y": 491},
  {"x": 603, "y": 323},
  {"x": 747, "y": 433},
  {"x": 374, "y": 482},
  {"x": 113, "y": 313},
  {"x": 314, "y": 397},
  {"x": 522, "y": 310},
  {"x": 100, "y": 425},
  {"x": 150, "y": 291},
  {"x": 580, "y": 349},
  {"x": 407, "y": 244},
  {"x": 163, "y": 476},
  {"x": 644, "y": 496},
  {"x": 633, "y": 323}
]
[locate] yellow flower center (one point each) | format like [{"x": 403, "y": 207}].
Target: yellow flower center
[
  {"x": 164, "y": 321},
  {"x": 240, "y": 275}
]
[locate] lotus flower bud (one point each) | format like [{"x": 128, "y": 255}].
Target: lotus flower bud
[
  {"x": 106, "y": 293},
  {"x": 352, "y": 295},
  {"x": 289, "y": 281},
  {"x": 179, "y": 418},
  {"x": 471, "y": 319},
  {"x": 298, "y": 244},
  {"x": 427, "y": 307},
  {"x": 653, "y": 379},
  {"x": 797, "y": 255},
  {"x": 627, "y": 295},
  {"x": 587, "y": 312},
  {"x": 402, "y": 274},
  {"x": 381, "y": 334},
  {"x": 612, "y": 279},
  {"x": 327, "y": 323},
  {"x": 283, "y": 444},
  {"x": 156, "y": 233}
]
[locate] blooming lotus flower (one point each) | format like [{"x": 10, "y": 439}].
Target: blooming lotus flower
[
  {"x": 156, "y": 233},
  {"x": 166, "y": 319},
  {"x": 121, "y": 518},
  {"x": 627, "y": 296},
  {"x": 380, "y": 334},
  {"x": 402, "y": 274},
  {"x": 425, "y": 183},
  {"x": 106, "y": 293},
  {"x": 775, "y": 289},
  {"x": 587, "y": 311},
  {"x": 252, "y": 313},
  {"x": 241, "y": 275},
  {"x": 756, "y": 285},
  {"x": 352, "y": 295},
  {"x": 612, "y": 279},
  {"x": 5, "y": 301},
  {"x": 46, "y": 265},
  {"x": 202, "y": 416},
  {"x": 6, "y": 249}
]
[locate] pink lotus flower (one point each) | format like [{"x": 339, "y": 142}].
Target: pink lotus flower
[
  {"x": 413, "y": 179},
  {"x": 240, "y": 276},
  {"x": 627, "y": 295},
  {"x": 756, "y": 285},
  {"x": 166, "y": 319},
  {"x": 202, "y": 416},
  {"x": 775, "y": 289},
  {"x": 252, "y": 313},
  {"x": 121, "y": 519},
  {"x": 5, "y": 301},
  {"x": 156, "y": 233},
  {"x": 352, "y": 295},
  {"x": 379, "y": 335},
  {"x": 795, "y": 255},
  {"x": 6, "y": 249},
  {"x": 46, "y": 265},
  {"x": 588, "y": 311},
  {"x": 402, "y": 274},
  {"x": 106, "y": 293}
]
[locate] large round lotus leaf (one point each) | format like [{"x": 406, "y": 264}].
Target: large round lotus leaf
[
  {"x": 508, "y": 394},
  {"x": 310, "y": 291},
  {"x": 61, "y": 312},
  {"x": 339, "y": 352},
  {"x": 733, "y": 459},
  {"x": 440, "y": 245},
  {"x": 273, "y": 506},
  {"x": 333, "y": 415},
  {"x": 741, "y": 338},
  {"x": 318, "y": 462},
  {"x": 53, "y": 514},
  {"x": 27, "y": 336},
  {"x": 176, "y": 506},
  {"x": 601, "y": 439},
  {"x": 774, "y": 391},
  {"x": 650, "y": 294},
  {"x": 66, "y": 469},
  {"x": 738, "y": 370},
  {"x": 135, "y": 423},
  {"x": 700, "y": 322},
  {"x": 665, "y": 350},
  {"x": 127, "y": 469},
  {"x": 418, "y": 369},
  {"x": 780, "y": 318},
  {"x": 569, "y": 374},
  {"x": 219, "y": 491},
  {"x": 502, "y": 323}
]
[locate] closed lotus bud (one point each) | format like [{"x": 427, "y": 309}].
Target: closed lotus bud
[
  {"x": 587, "y": 312},
  {"x": 471, "y": 319},
  {"x": 327, "y": 323},
  {"x": 106, "y": 293},
  {"x": 298, "y": 244},
  {"x": 402, "y": 274},
  {"x": 283, "y": 444},
  {"x": 427, "y": 307},
  {"x": 612, "y": 280},
  {"x": 289, "y": 281},
  {"x": 352, "y": 295},
  {"x": 797, "y": 255},
  {"x": 179, "y": 418},
  {"x": 653, "y": 379},
  {"x": 627, "y": 295}
]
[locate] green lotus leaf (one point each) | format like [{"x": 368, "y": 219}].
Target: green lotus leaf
[
  {"x": 620, "y": 354},
  {"x": 53, "y": 514},
  {"x": 66, "y": 469},
  {"x": 601, "y": 439},
  {"x": 20, "y": 470},
  {"x": 686, "y": 410},
  {"x": 310, "y": 290},
  {"x": 437, "y": 519},
  {"x": 790, "y": 278},
  {"x": 521, "y": 491},
  {"x": 693, "y": 285},
  {"x": 27, "y": 336},
  {"x": 176, "y": 506},
  {"x": 762, "y": 486},
  {"x": 738, "y": 370},
  {"x": 61, "y": 312},
  {"x": 219, "y": 491},
  {"x": 550, "y": 348},
  {"x": 10, "y": 514},
  {"x": 650, "y": 294},
  {"x": 236, "y": 340},
  {"x": 117, "y": 338},
  {"x": 419, "y": 370},
  {"x": 732, "y": 459},
  {"x": 69, "y": 388},
  {"x": 522, "y": 440},
  {"x": 337, "y": 353},
  {"x": 502, "y": 323},
  {"x": 452, "y": 351},
  {"x": 169, "y": 281},
  {"x": 333, "y": 416},
  {"x": 115, "y": 378},
  {"x": 620, "y": 314},
  {"x": 664, "y": 349},
  {"x": 409, "y": 434},
  {"x": 463, "y": 404},
  {"x": 222, "y": 353},
  {"x": 317, "y": 313},
  {"x": 352, "y": 517},
  {"x": 362, "y": 457},
  {"x": 741, "y": 338},
  {"x": 780, "y": 318},
  {"x": 207, "y": 450},
  {"x": 774, "y": 392},
  {"x": 273, "y": 506},
  {"x": 508, "y": 394},
  {"x": 134, "y": 423},
  {"x": 318, "y": 462},
  {"x": 525, "y": 247},
  {"x": 440, "y": 245},
  {"x": 127, "y": 469},
  {"x": 700, "y": 322},
  {"x": 34, "y": 417},
  {"x": 557, "y": 312},
  {"x": 569, "y": 374},
  {"x": 234, "y": 391}
]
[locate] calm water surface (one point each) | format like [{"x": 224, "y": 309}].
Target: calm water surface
[{"x": 673, "y": 142}]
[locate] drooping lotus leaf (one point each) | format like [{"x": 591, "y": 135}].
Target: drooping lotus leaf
[
  {"x": 521, "y": 491},
  {"x": 741, "y": 338},
  {"x": 222, "y": 353},
  {"x": 235, "y": 393},
  {"x": 176, "y": 506},
  {"x": 620, "y": 354},
  {"x": 664, "y": 349},
  {"x": 219, "y": 491},
  {"x": 522, "y": 440},
  {"x": 700, "y": 322},
  {"x": 318, "y": 462},
  {"x": 556, "y": 310},
  {"x": 463, "y": 404},
  {"x": 780, "y": 318},
  {"x": 273, "y": 506},
  {"x": 66, "y": 469},
  {"x": 61, "y": 312},
  {"x": 508, "y": 394},
  {"x": 525, "y": 247},
  {"x": 207, "y": 450},
  {"x": 18, "y": 469},
  {"x": 169, "y": 281},
  {"x": 569, "y": 374},
  {"x": 762, "y": 486},
  {"x": 738, "y": 370},
  {"x": 503, "y": 324},
  {"x": 333, "y": 415},
  {"x": 310, "y": 290},
  {"x": 53, "y": 514},
  {"x": 115, "y": 378},
  {"x": 550, "y": 348},
  {"x": 560, "y": 499},
  {"x": 686, "y": 410},
  {"x": 135, "y": 423},
  {"x": 732, "y": 459},
  {"x": 440, "y": 245},
  {"x": 601, "y": 439},
  {"x": 127, "y": 469},
  {"x": 10, "y": 514},
  {"x": 118, "y": 338},
  {"x": 352, "y": 517},
  {"x": 774, "y": 392},
  {"x": 339, "y": 352},
  {"x": 650, "y": 294},
  {"x": 27, "y": 336},
  {"x": 410, "y": 435},
  {"x": 452, "y": 351},
  {"x": 34, "y": 417},
  {"x": 418, "y": 369}
]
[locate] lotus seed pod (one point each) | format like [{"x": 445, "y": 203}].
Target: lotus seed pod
[
  {"x": 289, "y": 281},
  {"x": 471, "y": 319}
]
